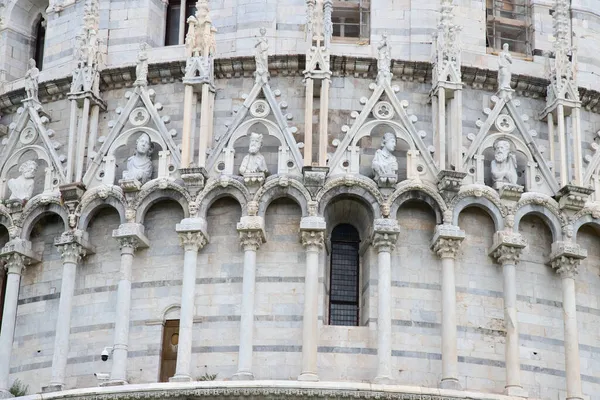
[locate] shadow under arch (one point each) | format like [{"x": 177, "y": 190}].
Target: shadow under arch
[
  {"x": 586, "y": 220},
  {"x": 351, "y": 210},
  {"x": 157, "y": 196},
  {"x": 293, "y": 191},
  {"x": 417, "y": 196},
  {"x": 367, "y": 193},
  {"x": 482, "y": 203},
  {"x": 92, "y": 208},
  {"x": 206, "y": 199},
  {"x": 38, "y": 213},
  {"x": 550, "y": 219}
]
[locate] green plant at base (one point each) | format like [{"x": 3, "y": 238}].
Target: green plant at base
[
  {"x": 18, "y": 388},
  {"x": 208, "y": 377}
]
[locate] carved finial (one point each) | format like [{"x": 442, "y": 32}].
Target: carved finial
[
  {"x": 141, "y": 69},
  {"x": 327, "y": 21},
  {"x": 384, "y": 61},
  {"x": 447, "y": 47},
  {"x": 261, "y": 56},
  {"x": 562, "y": 70},
  {"x": 200, "y": 39}
]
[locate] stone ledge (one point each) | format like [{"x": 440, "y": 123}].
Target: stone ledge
[
  {"x": 293, "y": 65},
  {"x": 267, "y": 389}
]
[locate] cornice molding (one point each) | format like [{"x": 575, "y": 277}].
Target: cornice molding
[{"x": 293, "y": 65}]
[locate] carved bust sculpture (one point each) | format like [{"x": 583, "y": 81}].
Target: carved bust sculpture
[
  {"x": 139, "y": 166},
  {"x": 254, "y": 162},
  {"x": 504, "y": 164},
  {"x": 504, "y": 64},
  {"x": 385, "y": 164},
  {"x": 21, "y": 188},
  {"x": 31, "y": 81}
]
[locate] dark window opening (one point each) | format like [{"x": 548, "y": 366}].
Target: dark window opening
[
  {"x": 344, "y": 280},
  {"x": 168, "y": 357},
  {"x": 3, "y": 282},
  {"x": 351, "y": 19},
  {"x": 174, "y": 23},
  {"x": 40, "y": 40}
]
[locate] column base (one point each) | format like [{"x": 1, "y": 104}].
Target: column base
[
  {"x": 308, "y": 377},
  {"x": 180, "y": 378},
  {"x": 114, "y": 383},
  {"x": 53, "y": 387},
  {"x": 243, "y": 376},
  {"x": 5, "y": 394},
  {"x": 383, "y": 380},
  {"x": 450, "y": 383},
  {"x": 516, "y": 391},
  {"x": 577, "y": 398}
]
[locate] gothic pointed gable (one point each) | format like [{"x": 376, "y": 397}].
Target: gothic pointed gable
[
  {"x": 139, "y": 115},
  {"x": 446, "y": 60},
  {"x": 384, "y": 108},
  {"x": 504, "y": 122},
  {"x": 259, "y": 107},
  {"x": 29, "y": 133}
]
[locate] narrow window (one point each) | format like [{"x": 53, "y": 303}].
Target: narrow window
[
  {"x": 40, "y": 40},
  {"x": 168, "y": 358},
  {"x": 351, "y": 20},
  {"x": 3, "y": 279},
  {"x": 177, "y": 22},
  {"x": 343, "y": 288},
  {"x": 509, "y": 21}
]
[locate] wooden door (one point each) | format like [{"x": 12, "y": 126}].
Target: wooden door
[{"x": 168, "y": 359}]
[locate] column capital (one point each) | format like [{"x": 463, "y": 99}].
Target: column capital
[
  {"x": 385, "y": 234},
  {"x": 192, "y": 233},
  {"x": 73, "y": 246},
  {"x": 312, "y": 232},
  {"x": 565, "y": 258},
  {"x": 507, "y": 247},
  {"x": 446, "y": 240},
  {"x": 252, "y": 232},
  {"x": 131, "y": 237},
  {"x": 17, "y": 254}
]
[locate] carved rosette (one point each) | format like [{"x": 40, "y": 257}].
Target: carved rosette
[
  {"x": 566, "y": 257},
  {"x": 192, "y": 240},
  {"x": 71, "y": 252},
  {"x": 312, "y": 240},
  {"x": 447, "y": 240},
  {"x": 251, "y": 239}
]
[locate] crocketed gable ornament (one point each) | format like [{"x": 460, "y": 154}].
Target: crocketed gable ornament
[
  {"x": 384, "y": 109},
  {"x": 265, "y": 112}
]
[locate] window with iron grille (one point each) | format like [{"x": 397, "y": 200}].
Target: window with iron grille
[
  {"x": 343, "y": 288},
  {"x": 351, "y": 20},
  {"x": 509, "y": 21}
]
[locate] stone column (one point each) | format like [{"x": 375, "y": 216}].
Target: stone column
[
  {"x": 131, "y": 237},
  {"x": 565, "y": 259},
  {"x": 385, "y": 235},
  {"x": 16, "y": 255},
  {"x": 72, "y": 247},
  {"x": 252, "y": 235},
  {"x": 193, "y": 237},
  {"x": 312, "y": 234},
  {"x": 446, "y": 242},
  {"x": 506, "y": 250}
]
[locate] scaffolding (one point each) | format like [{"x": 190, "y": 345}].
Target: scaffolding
[
  {"x": 509, "y": 21},
  {"x": 351, "y": 20}
]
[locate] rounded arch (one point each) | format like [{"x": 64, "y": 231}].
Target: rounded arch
[
  {"x": 358, "y": 187},
  {"x": 157, "y": 195},
  {"x": 351, "y": 210},
  {"x": 587, "y": 219},
  {"x": 93, "y": 207},
  {"x": 420, "y": 192},
  {"x": 170, "y": 312},
  {"x": 5, "y": 218},
  {"x": 215, "y": 191},
  {"x": 552, "y": 220},
  {"x": 37, "y": 212},
  {"x": 480, "y": 202},
  {"x": 273, "y": 190}
]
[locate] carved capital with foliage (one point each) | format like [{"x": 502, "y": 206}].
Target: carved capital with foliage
[
  {"x": 446, "y": 240},
  {"x": 566, "y": 257}
]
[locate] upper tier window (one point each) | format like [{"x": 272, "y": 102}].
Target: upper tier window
[
  {"x": 509, "y": 21},
  {"x": 40, "y": 41},
  {"x": 351, "y": 20},
  {"x": 3, "y": 279},
  {"x": 178, "y": 11}
]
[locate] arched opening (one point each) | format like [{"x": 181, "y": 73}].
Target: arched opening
[
  {"x": 40, "y": 42},
  {"x": 168, "y": 354},
  {"x": 344, "y": 276},
  {"x": 4, "y": 237}
]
